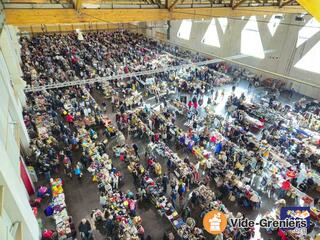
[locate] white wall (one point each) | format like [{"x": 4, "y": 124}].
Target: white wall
[
  {"x": 280, "y": 49},
  {"x": 154, "y": 29},
  {"x": 13, "y": 134}
]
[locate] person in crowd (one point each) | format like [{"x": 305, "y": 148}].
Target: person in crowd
[
  {"x": 110, "y": 225},
  {"x": 132, "y": 206},
  {"x": 136, "y": 150},
  {"x": 165, "y": 180},
  {"x": 173, "y": 197},
  {"x": 115, "y": 180},
  {"x": 141, "y": 232},
  {"x": 186, "y": 213},
  {"x": 48, "y": 234},
  {"x": 103, "y": 200},
  {"x": 85, "y": 229},
  {"x": 78, "y": 171}
]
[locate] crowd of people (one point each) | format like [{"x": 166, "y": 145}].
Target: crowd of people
[{"x": 180, "y": 150}]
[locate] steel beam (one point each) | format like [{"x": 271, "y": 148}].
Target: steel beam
[
  {"x": 284, "y": 3},
  {"x": 172, "y": 6},
  {"x": 236, "y": 4},
  {"x": 28, "y": 17},
  {"x": 168, "y": 3},
  {"x": 77, "y": 4}
]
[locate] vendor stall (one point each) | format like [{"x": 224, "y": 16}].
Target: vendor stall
[{"x": 64, "y": 224}]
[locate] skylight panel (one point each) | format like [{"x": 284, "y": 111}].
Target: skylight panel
[
  {"x": 306, "y": 32},
  {"x": 310, "y": 61},
  {"x": 223, "y": 23},
  {"x": 274, "y": 24},
  {"x": 211, "y": 37},
  {"x": 185, "y": 29},
  {"x": 251, "y": 44}
]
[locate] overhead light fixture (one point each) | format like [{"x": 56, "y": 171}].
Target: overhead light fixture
[
  {"x": 201, "y": 21},
  {"x": 299, "y": 18},
  {"x": 280, "y": 17}
]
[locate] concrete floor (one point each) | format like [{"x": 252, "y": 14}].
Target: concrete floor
[{"x": 82, "y": 196}]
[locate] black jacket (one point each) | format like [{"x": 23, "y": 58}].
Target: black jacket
[{"x": 85, "y": 228}]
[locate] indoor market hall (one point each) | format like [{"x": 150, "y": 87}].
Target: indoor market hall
[{"x": 159, "y": 120}]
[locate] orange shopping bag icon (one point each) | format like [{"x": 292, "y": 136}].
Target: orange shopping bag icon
[{"x": 215, "y": 222}]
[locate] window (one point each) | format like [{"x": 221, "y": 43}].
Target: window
[
  {"x": 310, "y": 29},
  {"x": 274, "y": 23},
  {"x": 310, "y": 61},
  {"x": 211, "y": 36},
  {"x": 16, "y": 230},
  {"x": 19, "y": 232},
  {"x": 251, "y": 44},
  {"x": 223, "y": 23},
  {"x": 185, "y": 29}
]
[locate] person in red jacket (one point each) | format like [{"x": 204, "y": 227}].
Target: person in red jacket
[
  {"x": 150, "y": 163},
  {"x": 282, "y": 235},
  {"x": 69, "y": 119},
  {"x": 156, "y": 137},
  {"x": 190, "y": 104},
  {"x": 285, "y": 186},
  {"x": 195, "y": 105}
]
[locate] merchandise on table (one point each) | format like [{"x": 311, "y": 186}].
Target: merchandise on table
[
  {"x": 205, "y": 195},
  {"x": 182, "y": 169},
  {"x": 155, "y": 191},
  {"x": 119, "y": 207},
  {"x": 64, "y": 225},
  {"x": 184, "y": 230},
  {"x": 107, "y": 90}
]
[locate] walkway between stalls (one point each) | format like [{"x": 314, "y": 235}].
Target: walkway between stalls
[{"x": 154, "y": 225}]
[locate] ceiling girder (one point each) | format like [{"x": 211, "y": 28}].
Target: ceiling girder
[
  {"x": 285, "y": 3},
  {"x": 77, "y": 4},
  {"x": 235, "y": 4},
  {"x": 28, "y": 17},
  {"x": 172, "y": 6}
]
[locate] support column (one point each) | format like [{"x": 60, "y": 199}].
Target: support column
[
  {"x": 17, "y": 97},
  {"x": 77, "y": 5}
]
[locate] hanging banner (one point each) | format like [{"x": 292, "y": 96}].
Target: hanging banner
[{"x": 26, "y": 178}]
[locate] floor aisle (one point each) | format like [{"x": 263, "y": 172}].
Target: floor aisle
[{"x": 150, "y": 218}]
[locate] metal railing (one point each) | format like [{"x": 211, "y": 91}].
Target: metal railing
[{"x": 121, "y": 76}]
